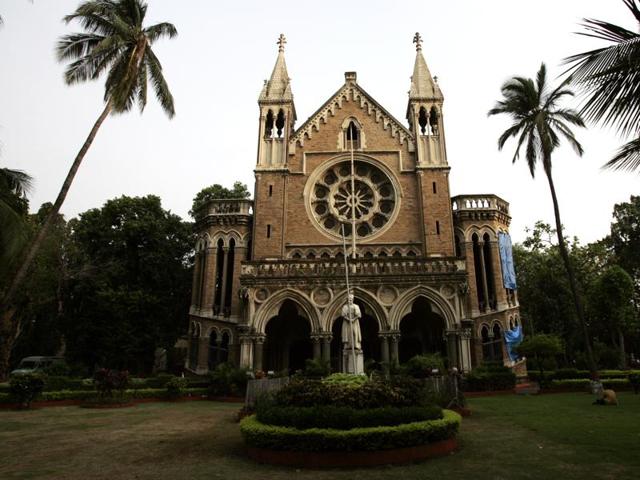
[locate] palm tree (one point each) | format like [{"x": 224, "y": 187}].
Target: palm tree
[
  {"x": 539, "y": 124},
  {"x": 114, "y": 42},
  {"x": 610, "y": 78},
  {"x": 14, "y": 185}
]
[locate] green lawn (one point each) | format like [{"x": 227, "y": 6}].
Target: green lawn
[{"x": 508, "y": 437}]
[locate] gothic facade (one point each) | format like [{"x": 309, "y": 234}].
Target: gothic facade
[{"x": 269, "y": 282}]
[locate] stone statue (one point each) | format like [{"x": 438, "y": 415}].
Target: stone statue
[{"x": 351, "y": 315}]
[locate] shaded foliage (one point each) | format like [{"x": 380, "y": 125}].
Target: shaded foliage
[{"x": 133, "y": 293}]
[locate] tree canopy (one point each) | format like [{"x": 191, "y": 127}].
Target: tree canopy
[
  {"x": 218, "y": 192},
  {"x": 134, "y": 293}
]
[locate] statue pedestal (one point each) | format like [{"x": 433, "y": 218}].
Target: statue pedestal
[{"x": 347, "y": 361}]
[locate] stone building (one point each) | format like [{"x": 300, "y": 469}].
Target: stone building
[{"x": 269, "y": 281}]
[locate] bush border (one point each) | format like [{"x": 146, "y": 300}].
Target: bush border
[{"x": 270, "y": 437}]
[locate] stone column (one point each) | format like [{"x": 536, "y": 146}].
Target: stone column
[
  {"x": 239, "y": 255},
  {"x": 465, "y": 345},
  {"x": 317, "y": 347},
  {"x": 384, "y": 348},
  {"x": 258, "y": 348},
  {"x": 246, "y": 352},
  {"x": 395, "y": 358},
  {"x": 225, "y": 265},
  {"x": 452, "y": 348},
  {"x": 203, "y": 356},
  {"x": 326, "y": 348}
]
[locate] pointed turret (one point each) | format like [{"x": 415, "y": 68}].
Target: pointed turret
[
  {"x": 423, "y": 86},
  {"x": 277, "y": 114},
  {"x": 278, "y": 87},
  {"x": 424, "y": 113}
]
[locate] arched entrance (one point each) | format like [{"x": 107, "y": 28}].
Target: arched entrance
[
  {"x": 288, "y": 343},
  {"x": 370, "y": 340},
  {"x": 421, "y": 332}
]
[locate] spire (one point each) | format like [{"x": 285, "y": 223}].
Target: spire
[
  {"x": 423, "y": 86},
  {"x": 278, "y": 87}
]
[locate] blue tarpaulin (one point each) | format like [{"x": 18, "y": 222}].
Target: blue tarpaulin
[
  {"x": 506, "y": 257},
  {"x": 513, "y": 338}
]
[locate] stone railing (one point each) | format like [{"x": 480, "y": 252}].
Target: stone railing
[
  {"x": 479, "y": 202},
  {"x": 231, "y": 206},
  {"x": 358, "y": 267}
]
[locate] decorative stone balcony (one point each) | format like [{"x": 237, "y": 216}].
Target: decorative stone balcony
[
  {"x": 359, "y": 269},
  {"x": 481, "y": 207},
  {"x": 225, "y": 211}
]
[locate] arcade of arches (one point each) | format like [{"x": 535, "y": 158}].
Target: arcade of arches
[{"x": 289, "y": 339}]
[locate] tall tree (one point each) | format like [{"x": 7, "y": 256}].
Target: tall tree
[
  {"x": 134, "y": 294},
  {"x": 115, "y": 42},
  {"x": 610, "y": 78},
  {"x": 539, "y": 123},
  {"x": 217, "y": 192}
]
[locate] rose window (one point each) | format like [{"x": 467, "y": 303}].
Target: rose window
[{"x": 372, "y": 199}]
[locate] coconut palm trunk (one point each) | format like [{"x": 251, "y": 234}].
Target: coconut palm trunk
[{"x": 573, "y": 284}]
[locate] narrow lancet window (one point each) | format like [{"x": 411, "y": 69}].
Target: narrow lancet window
[
  {"x": 268, "y": 125},
  {"x": 423, "y": 121},
  {"x": 352, "y": 136},
  {"x": 280, "y": 123}
]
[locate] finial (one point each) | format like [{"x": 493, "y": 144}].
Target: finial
[
  {"x": 435, "y": 78},
  {"x": 281, "y": 42},
  {"x": 417, "y": 39}
]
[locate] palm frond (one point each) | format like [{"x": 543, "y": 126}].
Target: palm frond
[
  {"x": 15, "y": 181},
  {"x": 160, "y": 30},
  {"x": 610, "y": 76},
  {"x": 163, "y": 94},
  {"x": 626, "y": 158}
]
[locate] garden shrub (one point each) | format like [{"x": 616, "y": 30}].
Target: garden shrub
[
  {"x": 634, "y": 380},
  {"x": 316, "y": 368},
  {"x": 227, "y": 380},
  {"x": 58, "y": 369},
  {"x": 25, "y": 388},
  {"x": 109, "y": 382},
  {"x": 422, "y": 366},
  {"x": 347, "y": 379},
  {"x": 489, "y": 378},
  {"x": 55, "y": 383},
  {"x": 342, "y": 418},
  {"x": 257, "y": 434},
  {"x": 398, "y": 392},
  {"x": 159, "y": 381},
  {"x": 176, "y": 387}
]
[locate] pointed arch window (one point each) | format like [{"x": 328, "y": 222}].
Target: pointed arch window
[
  {"x": 352, "y": 136},
  {"x": 280, "y": 123},
  {"x": 434, "y": 121},
  {"x": 268, "y": 125}
]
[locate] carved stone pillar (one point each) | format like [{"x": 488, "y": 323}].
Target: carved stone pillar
[
  {"x": 258, "y": 348},
  {"x": 395, "y": 357},
  {"x": 384, "y": 348},
  {"x": 465, "y": 345},
  {"x": 452, "y": 348},
  {"x": 246, "y": 352},
  {"x": 326, "y": 348}
]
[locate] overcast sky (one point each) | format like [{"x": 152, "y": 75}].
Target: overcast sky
[{"x": 224, "y": 50}]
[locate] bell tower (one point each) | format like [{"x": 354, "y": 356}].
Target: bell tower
[
  {"x": 277, "y": 118},
  {"x": 424, "y": 113},
  {"x": 277, "y": 115}
]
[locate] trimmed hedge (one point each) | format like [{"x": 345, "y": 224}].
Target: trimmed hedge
[
  {"x": 492, "y": 378},
  {"x": 90, "y": 394},
  {"x": 342, "y": 418},
  {"x": 257, "y": 434},
  {"x": 397, "y": 392},
  {"x": 572, "y": 374},
  {"x": 584, "y": 384}
]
